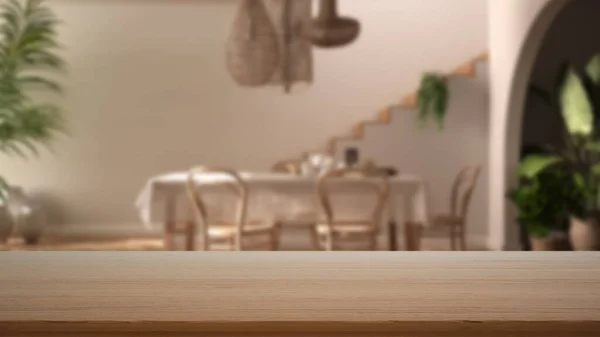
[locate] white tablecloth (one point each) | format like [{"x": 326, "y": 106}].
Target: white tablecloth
[{"x": 282, "y": 196}]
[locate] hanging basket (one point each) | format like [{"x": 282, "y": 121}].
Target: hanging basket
[{"x": 252, "y": 50}]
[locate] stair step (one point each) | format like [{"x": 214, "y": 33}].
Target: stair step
[
  {"x": 358, "y": 131},
  {"x": 385, "y": 115},
  {"x": 410, "y": 100},
  {"x": 469, "y": 68}
]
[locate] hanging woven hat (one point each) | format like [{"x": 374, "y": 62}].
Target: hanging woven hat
[{"x": 252, "y": 50}]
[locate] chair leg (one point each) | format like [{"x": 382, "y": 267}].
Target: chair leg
[
  {"x": 452, "y": 238},
  {"x": 408, "y": 236},
  {"x": 463, "y": 239},
  {"x": 373, "y": 243},
  {"x": 412, "y": 236},
  {"x": 329, "y": 244},
  {"x": 237, "y": 243},
  {"x": 275, "y": 236},
  {"x": 417, "y": 233},
  {"x": 168, "y": 239},
  {"x": 314, "y": 237},
  {"x": 190, "y": 236},
  {"x": 316, "y": 240}
]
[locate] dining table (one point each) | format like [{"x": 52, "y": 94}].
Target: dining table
[{"x": 163, "y": 200}]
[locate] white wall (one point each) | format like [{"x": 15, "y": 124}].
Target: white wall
[
  {"x": 513, "y": 25},
  {"x": 148, "y": 93}
]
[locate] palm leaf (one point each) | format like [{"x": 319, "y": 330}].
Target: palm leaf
[
  {"x": 27, "y": 44},
  {"x": 35, "y": 57},
  {"x": 38, "y": 81}
]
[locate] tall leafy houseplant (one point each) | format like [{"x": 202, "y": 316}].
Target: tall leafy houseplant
[
  {"x": 580, "y": 104},
  {"x": 544, "y": 203},
  {"x": 28, "y": 45},
  {"x": 432, "y": 99}
]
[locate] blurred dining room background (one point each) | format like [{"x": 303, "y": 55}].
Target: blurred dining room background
[{"x": 273, "y": 102}]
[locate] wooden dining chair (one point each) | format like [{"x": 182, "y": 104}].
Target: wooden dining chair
[
  {"x": 304, "y": 222},
  {"x": 454, "y": 221},
  {"x": 333, "y": 232},
  {"x": 220, "y": 234}
]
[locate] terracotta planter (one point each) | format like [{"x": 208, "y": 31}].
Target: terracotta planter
[
  {"x": 585, "y": 234},
  {"x": 542, "y": 244}
]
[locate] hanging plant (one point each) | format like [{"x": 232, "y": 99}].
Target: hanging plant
[{"x": 432, "y": 99}]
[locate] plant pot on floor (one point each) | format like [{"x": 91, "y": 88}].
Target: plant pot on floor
[
  {"x": 585, "y": 233},
  {"x": 28, "y": 216},
  {"x": 6, "y": 223},
  {"x": 542, "y": 244}
]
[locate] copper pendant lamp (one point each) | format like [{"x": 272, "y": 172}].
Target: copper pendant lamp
[{"x": 329, "y": 30}]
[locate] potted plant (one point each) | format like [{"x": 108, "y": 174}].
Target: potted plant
[
  {"x": 543, "y": 203},
  {"x": 432, "y": 99},
  {"x": 580, "y": 106},
  {"x": 27, "y": 55}
]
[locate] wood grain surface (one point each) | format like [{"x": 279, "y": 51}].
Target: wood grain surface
[
  {"x": 375, "y": 294},
  {"x": 296, "y": 287}
]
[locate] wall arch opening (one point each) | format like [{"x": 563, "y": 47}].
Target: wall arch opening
[{"x": 531, "y": 49}]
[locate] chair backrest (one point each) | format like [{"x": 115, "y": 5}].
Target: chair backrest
[
  {"x": 235, "y": 184},
  {"x": 364, "y": 177},
  {"x": 287, "y": 166},
  {"x": 462, "y": 190}
]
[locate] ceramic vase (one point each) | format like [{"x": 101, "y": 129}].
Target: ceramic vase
[
  {"x": 542, "y": 244},
  {"x": 585, "y": 233},
  {"x": 6, "y": 223}
]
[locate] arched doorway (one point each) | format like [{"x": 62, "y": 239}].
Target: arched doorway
[
  {"x": 518, "y": 92},
  {"x": 516, "y": 30},
  {"x": 567, "y": 42}
]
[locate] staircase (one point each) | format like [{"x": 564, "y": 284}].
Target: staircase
[
  {"x": 393, "y": 138},
  {"x": 384, "y": 116}
]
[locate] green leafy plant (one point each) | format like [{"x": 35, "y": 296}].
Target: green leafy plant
[
  {"x": 545, "y": 201},
  {"x": 432, "y": 99},
  {"x": 27, "y": 57},
  {"x": 579, "y": 99}
]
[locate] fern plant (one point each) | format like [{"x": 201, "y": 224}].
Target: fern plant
[
  {"x": 432, "y": 99},
  {"x": 28, "y": 46}
]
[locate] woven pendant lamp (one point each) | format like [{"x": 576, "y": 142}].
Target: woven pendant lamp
[
  {"x": 252, "y": 50},
  {"x": 329, "y": 29},
  {"x": 296, "y": 53}
]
